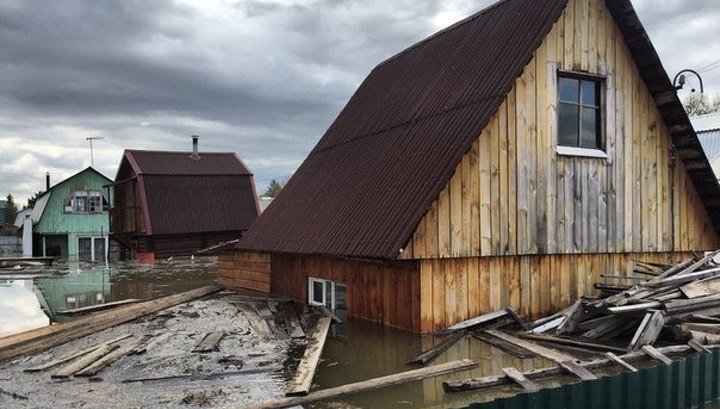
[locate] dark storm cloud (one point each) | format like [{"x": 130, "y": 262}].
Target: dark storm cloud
[{"x": 260, "y": 78}]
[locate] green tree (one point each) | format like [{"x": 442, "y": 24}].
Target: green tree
[
  {"x": 702, "y": 104},
  {"x": 31, "y": 201},
  {"x": 273, "y": 189},
  {"x": 11, "y": 209}
]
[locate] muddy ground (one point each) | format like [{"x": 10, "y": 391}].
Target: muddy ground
[{"x": 246, "y": 367}]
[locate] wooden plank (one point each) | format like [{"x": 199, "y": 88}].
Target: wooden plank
[
  {"x": 650, "y": 332},
  {"x": 210, "y": 342},
  {"x": 293, "y": 324},
  {"x": 504, "y": 345},
  {"x": 108, "y": 359},
  {"x": 547, "y": 353},
  {"x": 571, "y": 342},
  {"x": 56, "y": 362},
  {"x": 620, "y": 361},
  {"x": 482, "y": 319},
  {"x": 578, "y": 370},
  {"x": 93, "y": 308},
  {"x": 372, "y": 384},
  {"x": 701, "y": 288},
  {"x": 573, "y": 318},
  {"x": 433, "y": 352},
  {"x": 521, "y": 380},
  {"x": 656, "y": 355},
  {"x": 258, "y": 324},
  {"x": 84, "y": 362},
  {"x": 698, "y": 347},
  {"x": 308, "y": 364},
  {"x": 43, "y": 338}
]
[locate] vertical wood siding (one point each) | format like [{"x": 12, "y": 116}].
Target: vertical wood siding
[
  {"x": 385, "y": 293},
  {"x": 244, "y": 269},
  {"x": 512, "y": 194},
  {"x": 456, "y": 289}
]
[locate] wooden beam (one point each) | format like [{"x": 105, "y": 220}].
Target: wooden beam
[
  {"x": 93, "y": 308},
  {"x": 521, "y": 380},
  {"x": 108, "y": 359},
  {"x": 56, "y": 362},
  {"x": 620, "y": 361},
  {"x": 372, "y": 384},
  {"x": 656, "y": 355},
  {"x": 649, "y": 330},
  {"x": 84, "y": 362},
  {"x": 209, "y": 342},
  {"x": 433, "y": 352},
  {"x": 571, "y": 342},
  {"x": 548, "y": 353},
  {"x": 300, "y": 385},
  {"x": 698, "y": 346},
  {"x": 482, "y": 319},
  {"x": 578, "y": 370},
  {"x": 47, "y": 337},
  {"x": 505, "y": 346}
]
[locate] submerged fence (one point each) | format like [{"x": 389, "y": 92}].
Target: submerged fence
[{"x": 685, "y": 383}]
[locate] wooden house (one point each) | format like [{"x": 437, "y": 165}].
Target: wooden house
[
  {"x": 175, "y": 203},
  {"x": 508, "y": 160},
  {"x": 70, "y": 219}
]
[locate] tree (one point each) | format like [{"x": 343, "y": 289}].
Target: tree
[
  {"x": 273, "y": 189},
  {"x": 11, "y": 209},
  {"x": 702, "y": 104},
  {"x": 33, "y": 199}
]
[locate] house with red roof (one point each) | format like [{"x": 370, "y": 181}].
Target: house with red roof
[
  {"x": 176, "y": 203},
  {"x": 510, "y": 159}
]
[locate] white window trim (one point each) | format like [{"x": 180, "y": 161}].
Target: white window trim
[
  {"x": 92, "y": 247},
  {"x": 584, "y": 152},
  {"x": 311, "y": 291}
]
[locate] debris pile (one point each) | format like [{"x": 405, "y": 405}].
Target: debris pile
[{"x": 678, "y": 303}]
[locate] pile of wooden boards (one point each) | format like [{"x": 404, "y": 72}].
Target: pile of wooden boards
[{"x": 676, "y": 303}]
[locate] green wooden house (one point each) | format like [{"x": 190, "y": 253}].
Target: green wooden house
[{"x": 70, "y": 220}]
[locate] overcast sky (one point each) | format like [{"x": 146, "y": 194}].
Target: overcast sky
[{"x": 260, "y": 78}]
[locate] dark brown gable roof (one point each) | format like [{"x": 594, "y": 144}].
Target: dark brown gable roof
[
  {"x": 363, "y": 189},
  {"x": 365, "y": 186},
  {"x": 181, "y": 194}
]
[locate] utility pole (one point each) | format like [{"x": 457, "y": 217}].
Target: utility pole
[{"x": 91, "y": 139}]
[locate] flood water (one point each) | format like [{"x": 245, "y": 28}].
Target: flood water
[{"x": 33, "y": 298}]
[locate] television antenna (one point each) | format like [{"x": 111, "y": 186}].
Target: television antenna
[{"x": 91, "y": 139}]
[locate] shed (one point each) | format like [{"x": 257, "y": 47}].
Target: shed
[
  {"x": 507, "y": 160},
  {"x": 175, "y": 203}
]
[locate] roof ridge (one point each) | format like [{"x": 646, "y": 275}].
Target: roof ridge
[{"x": 445, "y": 30}]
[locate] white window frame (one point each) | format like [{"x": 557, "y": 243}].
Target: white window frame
[
  {"x": 324, "y": 282},
  {"x": 86, "y": 195},
  {"x": 92, "y": 247}
]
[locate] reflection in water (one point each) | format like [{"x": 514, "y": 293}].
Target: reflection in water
[
  {"x": 370, "y": 350},
  {"x": 20, "y": 308},
  {"x": 27, "y": 304}
]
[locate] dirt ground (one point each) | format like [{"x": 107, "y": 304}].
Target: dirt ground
[{"x": 246, "y": 367}]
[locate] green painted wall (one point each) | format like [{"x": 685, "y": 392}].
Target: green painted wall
[{"x": 55, "y": 220}]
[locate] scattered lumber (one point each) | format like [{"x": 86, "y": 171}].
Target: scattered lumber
[
  {"x": 503, "y": 345},
  {"x": 372, "y": 384},
  {"x": 620, "y": 361},
  {"x": 578, "y": 370},
  {"x": 302, "y": 381},
  {"x": 99, "y": 307},
  {"x": 84, "y": 362},
  {"x": 479, "y": 320},
  {"x": 438, "y": 349},
  {"x": 572, "y": 318},
  {"x": 548, "y": 339},
  {"x": 47, "y": 337},
  {"x": 649, "y": 330},
  {"x": 210, "y": 342},
  {"x": 655, "y": 354},
  {"x": 108, "y": 359},
  {"x": 547, "y": 353},
  {"x": 521, "y": 380},
  {"x": 56, "y": 362},
  {"x": 497, "y": 380},
  {"x": 260, "y": 326}
]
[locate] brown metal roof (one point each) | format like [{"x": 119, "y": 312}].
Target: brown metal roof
[
  {"x": 181, "y": 194},
  {"x": 363, "y": 189},
  {"x": 184, "y": 163},
  {"x": 366, "y": 185}
]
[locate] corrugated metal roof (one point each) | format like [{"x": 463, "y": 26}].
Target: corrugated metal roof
[
  {"x": 368, "y": 182},
  {"x": 184, "y": 163},
  {"x": 710, "y": 141},
  {"x": 181, "y": 194},
  {"x": 199, "y": 203},
  {"x": 363, "y": 189}
]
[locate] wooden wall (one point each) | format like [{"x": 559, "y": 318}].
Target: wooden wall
[
  {"x": 512, "y": 194},
  {"x": 456, "y": 289},
  {"x": 381, "y": 292},
  {"x": 244, "y": 269}
]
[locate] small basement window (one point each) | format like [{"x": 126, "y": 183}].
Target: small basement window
[{"x": 580, "y": 115}]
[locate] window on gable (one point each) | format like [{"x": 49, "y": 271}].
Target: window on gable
[
  {"x": 580, "y": 112},
  {"x": 86, "y": 201}
]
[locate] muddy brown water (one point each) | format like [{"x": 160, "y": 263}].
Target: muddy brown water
[{"x": 355, "y": 351}]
